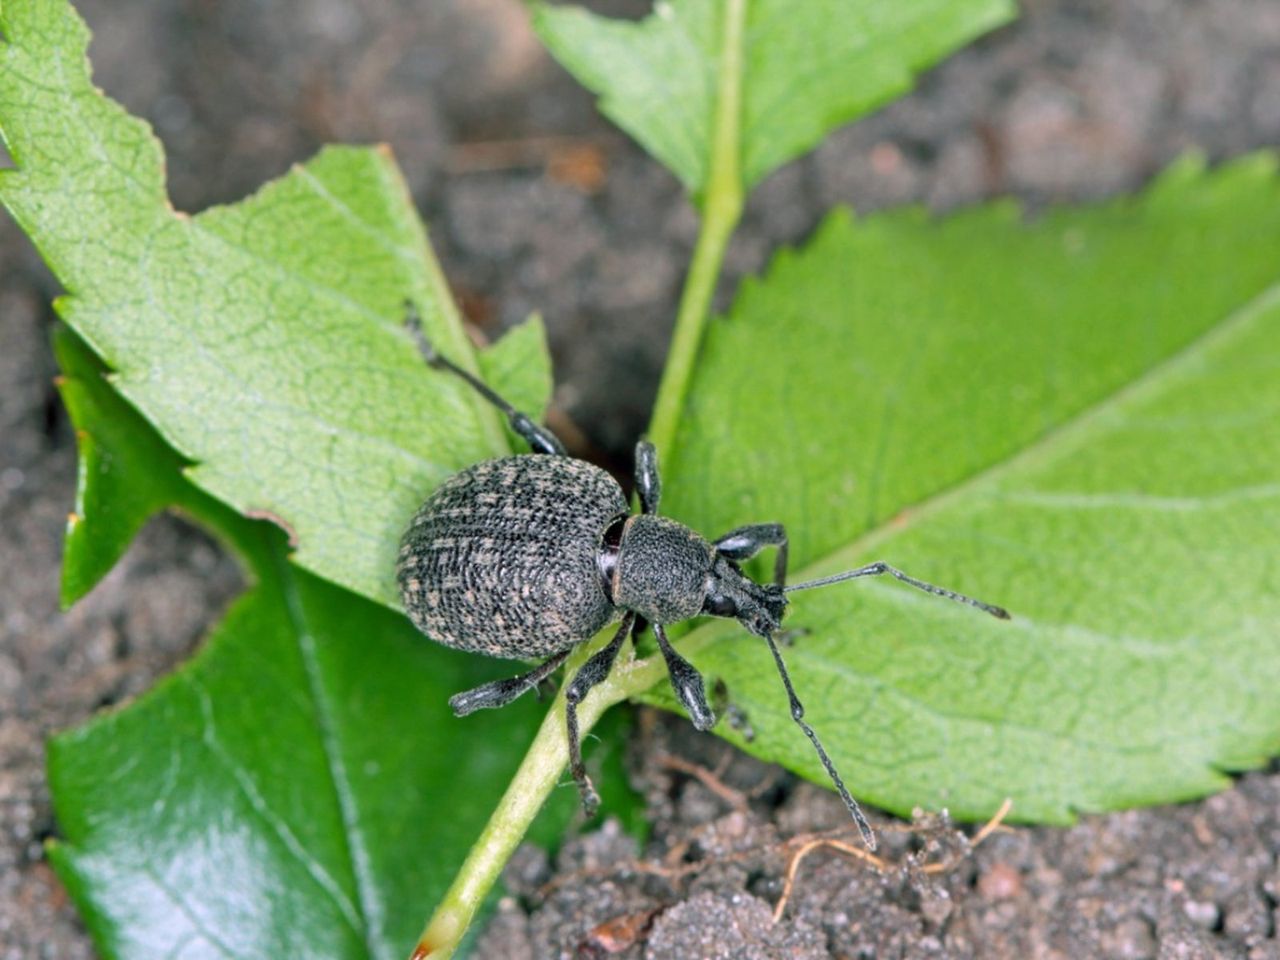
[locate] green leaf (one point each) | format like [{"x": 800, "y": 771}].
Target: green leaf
[
  {"x": 125, "y": 475},
  {"x": 807, "y": 68},
  {"x": 1077, "y": 418},
  {"x": 299, "y": 788},
  {"x": 264, "y": 340}
]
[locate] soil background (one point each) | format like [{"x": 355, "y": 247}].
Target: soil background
[{"x": 534, "y": 202}]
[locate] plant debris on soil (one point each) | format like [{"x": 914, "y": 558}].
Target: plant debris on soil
[
  {"x": 1193, "y": 881},
  {"x": 536, "y": 203}
]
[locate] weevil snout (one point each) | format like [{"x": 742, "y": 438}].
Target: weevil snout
[
  {"x": 730, "y": 593},
  {"x": 764, "y": 618},
  {"x": 773, "y": 603}
]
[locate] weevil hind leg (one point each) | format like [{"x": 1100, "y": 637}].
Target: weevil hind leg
[
  {"x": 540, "y": 439},
  {"x": 589, "y": 674},
  {"x": 498, "y": 693}
]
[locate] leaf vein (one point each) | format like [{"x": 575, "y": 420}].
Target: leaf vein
[
  {"x": 258, "y": 804},
  {"x": 341, "y": 781}
]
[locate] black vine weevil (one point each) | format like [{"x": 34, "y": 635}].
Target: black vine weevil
[{"x": 529, "y": 556}]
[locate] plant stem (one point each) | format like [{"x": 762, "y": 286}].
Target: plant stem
[
  {"x": 524, "y": 797},
  {"x": 538, "y": 774},
  {"x": 541, "y": 768},
  {"x": 721, "y": 208}
]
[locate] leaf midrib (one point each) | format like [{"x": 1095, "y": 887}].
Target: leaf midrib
[
  {"x": 1068, "y": 736},
  {"x": 356, "y": 854}
]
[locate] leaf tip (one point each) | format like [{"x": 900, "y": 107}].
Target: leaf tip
[
  {"x": 69, "y": 593},
  {"x": 1188, "y": 167},
  {"x": 841, "y": 217},
  {"x": 262, "y": 513}
]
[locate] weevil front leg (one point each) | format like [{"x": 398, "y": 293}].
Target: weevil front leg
[
  {"x": 498, "y": 693},
  {"x": 648, "y": 481},
  {"x": 744, "y": 543},
  {"x": 589, "y": 674},
  {"x": 540, "y": 439},
  {"x": 686, "y": 681}
]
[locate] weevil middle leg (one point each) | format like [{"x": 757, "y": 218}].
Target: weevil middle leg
[{"x": 589, "y": 674}]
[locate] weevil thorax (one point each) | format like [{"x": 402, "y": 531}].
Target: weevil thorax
[
  {"x": 662, "y": 569},
  {"x": 731, "y": 593}
]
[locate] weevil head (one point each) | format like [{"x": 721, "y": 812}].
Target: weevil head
[{"x": 731, "y": 593}]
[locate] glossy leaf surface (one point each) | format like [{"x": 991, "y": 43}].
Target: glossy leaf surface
[
  {"x": 1077, "y": 418},
  {"x": 300, "y": 788},
  {"x": 298, "y": 783}
]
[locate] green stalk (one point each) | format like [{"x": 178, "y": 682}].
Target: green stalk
[
  {"x": 539, "y": 773},
  {"x": 721, "y": 209},
  {"x": 542, "y": 766}
]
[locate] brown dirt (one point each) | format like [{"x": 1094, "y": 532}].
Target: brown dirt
[{"x": 536, "y": 203}]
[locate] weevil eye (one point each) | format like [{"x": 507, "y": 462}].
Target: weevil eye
[{"x": 719, "y": 606}]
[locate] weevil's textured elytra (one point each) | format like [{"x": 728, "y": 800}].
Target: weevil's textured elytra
[
  {"x": 503, "y": 559},
  {"x": 529, "y": 556}
]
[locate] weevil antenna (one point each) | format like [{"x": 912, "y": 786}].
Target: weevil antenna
[
  {"x": 879, "y": 568},
  {"x": 797, "y": 714}
]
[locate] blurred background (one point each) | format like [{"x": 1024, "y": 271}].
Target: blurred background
[{"x": 533, "y": 202}]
